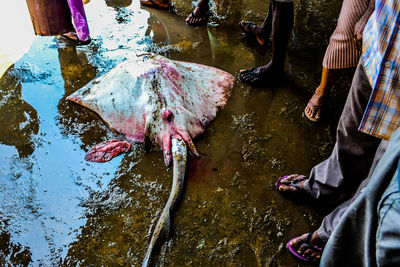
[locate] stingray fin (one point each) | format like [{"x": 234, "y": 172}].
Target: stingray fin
[
  {"x": 107, "y": 150},
  {"x": 167, "y": 150}
]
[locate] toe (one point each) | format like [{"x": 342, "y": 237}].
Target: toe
[
  {"x": 318, "y": 115},
  {"x": 315, "y": 255},
  {"x": 307, "y": 110},
  {"x": 283, "y": 188},
  {"x": 295, "y": 243},
  {"x": 307, "y": 253},
  {"x": 289, "y": 178}
]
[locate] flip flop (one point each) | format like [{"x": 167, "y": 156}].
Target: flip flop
[
  {"x": 269, "y": 78},
  {"x": 308, "y": 244},
  {"x": 204, "y": 18},
  {"x": 251, "y": 35},
  {"x": 247, "y": 25},
  {"x": 152, "y": 3},
  {"x": 293, "y": 183},
  {"x": 315, "y": 109},
  {"x": 70, "y": 40},
  {"x": 253, "y": 73}
]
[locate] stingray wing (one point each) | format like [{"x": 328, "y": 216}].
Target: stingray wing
[
  {"x": 155, "y": 97},
  {"x": 120, "y": 98}
]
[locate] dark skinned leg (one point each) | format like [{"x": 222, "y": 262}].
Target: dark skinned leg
[
  {"x": 200, "y": 14},
  {"x": 306, "y": 251},
  {"x": 262, "y": 32},
  {"x": 313, "y": 108},
  {"x": 282, "y": 24}
]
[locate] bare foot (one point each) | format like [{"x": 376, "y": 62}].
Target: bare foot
[
  {"x": 258, "y": 32},
  {"x": 309, "y": 246},
  {"x": 267, "y": 74},
  {"x": 292, "y": 183},
  {"x": 313, "y": 108}
]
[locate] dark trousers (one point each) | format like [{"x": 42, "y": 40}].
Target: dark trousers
[
  {"x": 353, "y": 158},
  {"x": 332, "y": 219},
  {"x": 354, "y": 151}
]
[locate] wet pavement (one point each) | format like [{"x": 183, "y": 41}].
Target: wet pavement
[{"x": 56, "y": 208}]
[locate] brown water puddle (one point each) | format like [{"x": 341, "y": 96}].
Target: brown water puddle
[{"x": 55, "y": 208}]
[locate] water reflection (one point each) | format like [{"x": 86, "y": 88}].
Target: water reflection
[
  {"x": 12, "y": 254},
  {"x": 21, "y": 124},
  {"x": 61, "y": 209}
]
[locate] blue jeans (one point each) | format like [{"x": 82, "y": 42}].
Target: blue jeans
[{"x": 388, "y": 232}]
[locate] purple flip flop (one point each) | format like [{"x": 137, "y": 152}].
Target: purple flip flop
[
  {"x": 308, "y": 244},
  {"x": 293, "y": 183}
]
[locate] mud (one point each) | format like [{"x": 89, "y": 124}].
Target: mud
[{"x": 56, "y": 208}]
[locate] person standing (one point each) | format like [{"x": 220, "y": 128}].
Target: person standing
[
  {"x": 343, "y": 51},
  {"x": 278, "y": 23},
  {"x": 369, "y": 117},
  {"x": 54, "y": 18}
]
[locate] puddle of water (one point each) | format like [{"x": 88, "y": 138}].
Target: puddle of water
[{"x": 56, "y": 208}]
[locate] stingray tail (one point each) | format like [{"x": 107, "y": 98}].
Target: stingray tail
[{"x": 162, "y": 229}]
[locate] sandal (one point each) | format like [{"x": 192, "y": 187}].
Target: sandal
[
  {"x": 71, "y": 40},
  {"x": 307, "y": 243},
  {"x": 314, "y": 110},
  {"x": 246, "y": 27},
  {"x": 254, "y": 77},
  {"x": 152, "y": 3},
  {"x": 203, "y": 18},
  {"x": 299, "y": 178}
]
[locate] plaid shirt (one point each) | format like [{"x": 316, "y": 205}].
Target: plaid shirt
[{"x": 381, "y": 60}]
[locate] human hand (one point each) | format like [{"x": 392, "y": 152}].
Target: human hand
[
  {"x": 358, "y": 31},
  {"x": 360, "y": 25}
]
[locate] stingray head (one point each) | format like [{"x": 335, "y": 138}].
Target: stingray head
[{"x": 179, "y": 126}]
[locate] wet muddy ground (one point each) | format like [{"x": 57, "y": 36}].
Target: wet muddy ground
[{"x": 56, "y": 208}]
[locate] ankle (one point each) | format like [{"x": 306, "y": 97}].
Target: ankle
[
  {"x": 320, "y": 93},
  {"x": 275, "y": 67},
  {"x": 264, "y": 30},
  {"x": 202, "y": 6},
  {"x": 316, "y": 240}
]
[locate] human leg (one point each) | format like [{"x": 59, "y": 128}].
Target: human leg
[
  {"x": 200, "y": 14},
  {"x": 262, "y": 32},
  {"x": 80, "y": 35},
  {"x": 307, "y": 247},
  {"x": 80, "y": 21},
  {"x": 282, "y": 23},
  {"x": 320, "y": 237},
  {"x": 388, "y": 232},
  {"x": 353, "y": 152},
  {"x": 313, "y": 108},
  {"x": 340, "y": 53}
]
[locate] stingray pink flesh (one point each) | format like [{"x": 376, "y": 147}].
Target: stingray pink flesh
[
  {"x": 107, "y": 150},
  {"x": 150, "y": 96}
]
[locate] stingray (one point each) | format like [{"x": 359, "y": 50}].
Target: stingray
[{"x": 167, "y": 103}]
